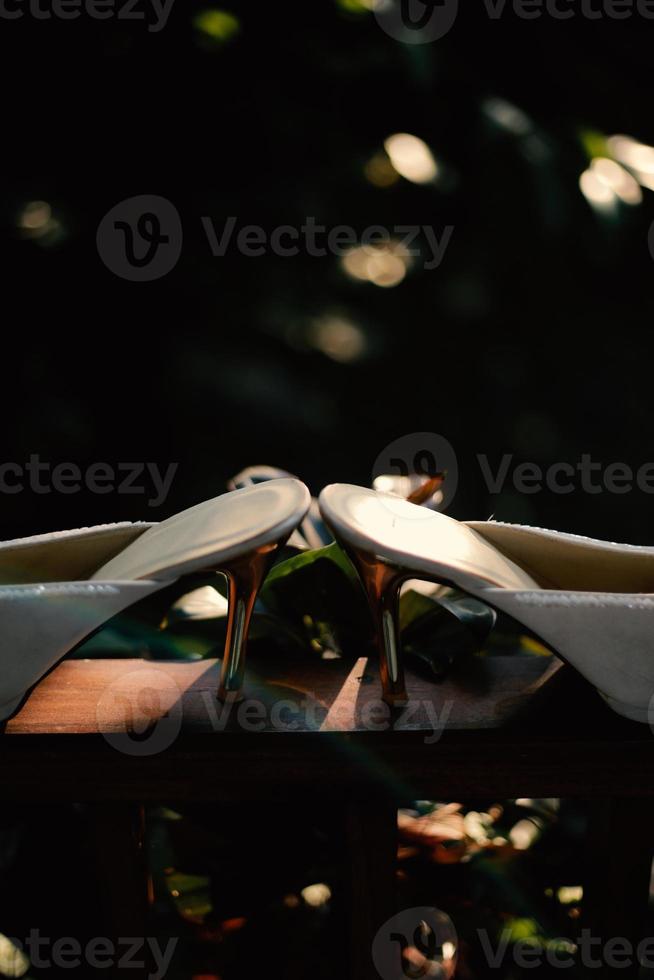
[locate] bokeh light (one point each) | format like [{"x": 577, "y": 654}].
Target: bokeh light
[
  {"x": 412, "y": 158},
  {"x": 601, "y": 197},
  {"x": 217, "y": 26},
  {"x": 618, "y": 179},
  {"x": 638, "y": 157},
  {"x": 380, "y": 171},
  {"x": 385, "y": 264},
  {"x": 36, "y": 221},
  {"x": 507, "y": 116},
  {"x": 338, "y": 338},
  {"x": 316, "y": 895}
]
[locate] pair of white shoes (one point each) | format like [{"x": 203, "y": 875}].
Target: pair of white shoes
[{"x": 591, "y": 601}]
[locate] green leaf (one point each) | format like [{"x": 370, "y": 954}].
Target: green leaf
[{"x": 318, "y": 593}]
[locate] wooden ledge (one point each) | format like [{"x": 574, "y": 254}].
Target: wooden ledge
[
  {"x": 111, "y": 696},
  {"x": 135, "y": 729}
]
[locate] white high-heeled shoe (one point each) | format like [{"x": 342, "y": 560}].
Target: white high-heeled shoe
[
  {"x": 591, "y": 601},
  {"x": 59, "y": 588}
]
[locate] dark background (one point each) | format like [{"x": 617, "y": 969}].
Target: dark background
[{"x": 532, "y": 338}]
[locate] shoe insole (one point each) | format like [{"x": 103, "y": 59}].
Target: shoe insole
[
  {"x": 64, "y": 556},
  {"x": 419, "y": 539},
  {"x": 212, "y": 532}
]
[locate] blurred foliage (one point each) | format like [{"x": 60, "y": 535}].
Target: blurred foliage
[
  {"x": 236, "y": 882},
  {"x": 532, "y": 337}
]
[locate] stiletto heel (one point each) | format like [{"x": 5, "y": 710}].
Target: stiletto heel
[
  {"x": 591, "y": 601},
  {"x": 245, "y": 576},
  {"x": 57, "y": 589},
  {"x": 382, "y": 585}
]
